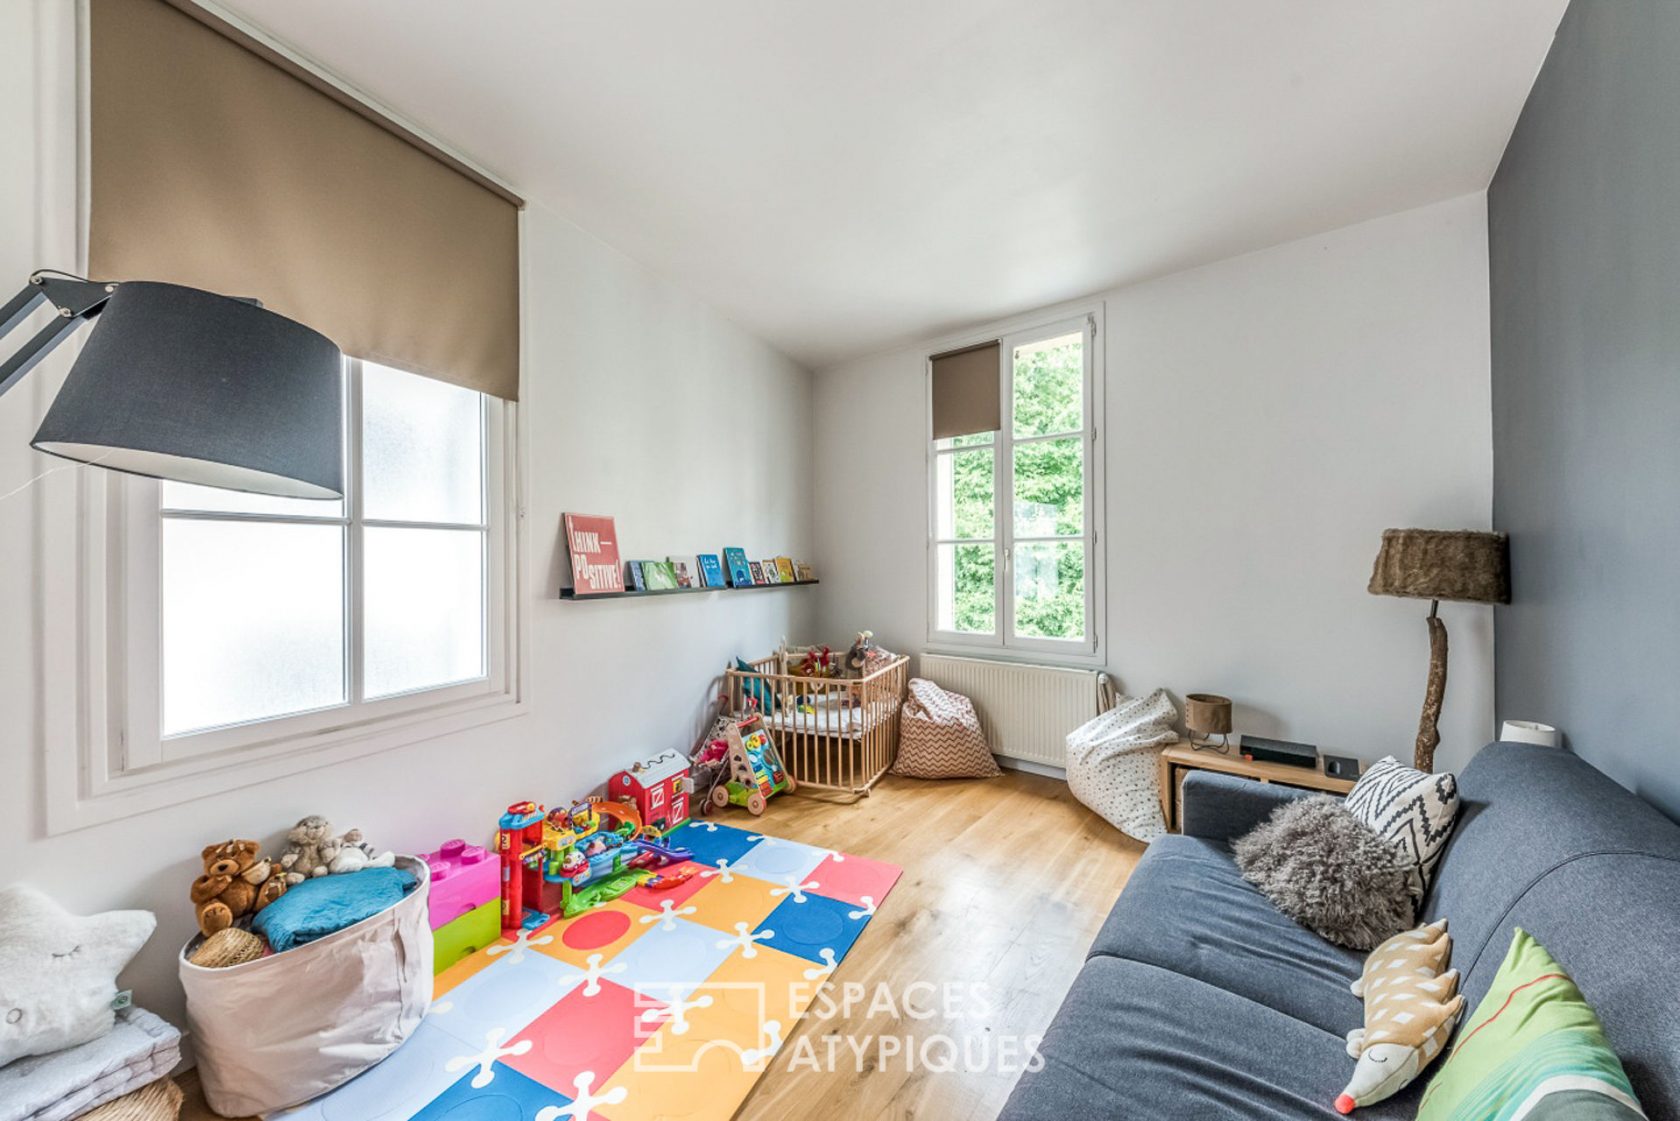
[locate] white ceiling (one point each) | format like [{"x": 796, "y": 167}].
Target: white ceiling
[{"x": 840, "y": 176}]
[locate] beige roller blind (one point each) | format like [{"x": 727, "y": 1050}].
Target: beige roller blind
[
  {"x": 966, "y": 384},
  {"x": 217, "y": 167}
]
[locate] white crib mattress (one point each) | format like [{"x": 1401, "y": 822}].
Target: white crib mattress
[{"x": 828, "y": 719}]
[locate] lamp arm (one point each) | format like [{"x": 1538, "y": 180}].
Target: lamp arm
[{"x": 76, "y": 299}]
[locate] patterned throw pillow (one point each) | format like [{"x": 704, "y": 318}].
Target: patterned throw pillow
[
  {"x": 1534, "y": 1049},
  {"x": 939, "y": 736},
  {"x": 1408, "y": 808}
]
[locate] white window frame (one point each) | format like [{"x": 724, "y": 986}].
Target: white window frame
[
  {"x": 93, "y": 768},
  {"x": 143, "y": 743},
  {"x": 1005, "y": 643}
]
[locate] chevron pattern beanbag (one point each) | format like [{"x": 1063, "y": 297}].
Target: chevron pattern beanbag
[{"x": 939, "y": 736}]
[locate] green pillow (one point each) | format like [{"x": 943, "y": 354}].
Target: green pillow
[
  {"x": 757, "y": 687},
  {"x": 1533, "y": 1041}
]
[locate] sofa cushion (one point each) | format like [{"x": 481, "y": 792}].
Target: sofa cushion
[
  {"x": 1412, "y": 810},
  {"x": 1533, "y": 1036},
  {"x": 1136, "y": 1041},
  {"x": 1187, "y": 909}
]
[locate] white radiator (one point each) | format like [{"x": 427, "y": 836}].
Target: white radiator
[{"x": 1027, "y": 711}]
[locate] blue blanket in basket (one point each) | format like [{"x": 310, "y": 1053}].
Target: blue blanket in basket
[{"x": 327, "y": 904}]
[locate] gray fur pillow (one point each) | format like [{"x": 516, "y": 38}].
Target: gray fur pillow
[{"x": 1329, "y": 872}]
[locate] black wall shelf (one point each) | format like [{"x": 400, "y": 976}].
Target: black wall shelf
[{"x": 571, "y": 596}]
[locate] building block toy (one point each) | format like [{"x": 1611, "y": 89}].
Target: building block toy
[
  {"x": 755, "y": 770},
  {"x": 562, "y": 862},
  {"x": 478, "y": 928},
  {"x": 659, "y": 789},
  {"x": 464, "y": 878}
]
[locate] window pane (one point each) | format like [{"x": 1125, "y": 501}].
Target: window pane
[
  {"x": 253, "y": 621},
  {"x": 423, "y": 604},
  {"x": 1050, "y": 488},
  {"x": 967, "y": 594},
  {"x": 978, "y": 439},
  {"x": 422, "y": 449},
  {"x": 191, "y": 498},
  {"x": 1050, "y": 386},
  {"x": 965, "y": 493},
  {"x": 1050, "y": 590}
]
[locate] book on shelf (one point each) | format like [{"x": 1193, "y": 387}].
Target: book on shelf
[
  {"x": 740, "y": 573},
  {"x": 636, "y": 580},
  {"x": 757, "y": 569},
  {"x": 784, "y": 569},
  {"x": 803, "y": 571},
  {"x": 711, "y": 570},
  {"x": 658, "y": 575},
  {"x": 771, "y": 574},
  {"x": 683, "y": 567},
  {"x": 592, "y": 544}
]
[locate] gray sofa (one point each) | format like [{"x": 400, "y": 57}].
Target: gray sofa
[{"x": 1199, "y": 999}]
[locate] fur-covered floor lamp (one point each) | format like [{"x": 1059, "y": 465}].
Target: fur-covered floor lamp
[{"x": 1438, "y": 564}]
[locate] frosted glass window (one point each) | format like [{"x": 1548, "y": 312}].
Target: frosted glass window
[
  {"x": 252, "y": 621},
  {"x": 187, "y": 498},
  {"x": 422, "y": 449},
  {"x": 423, "y": 608},
  {"x": 258, "y": 614}
]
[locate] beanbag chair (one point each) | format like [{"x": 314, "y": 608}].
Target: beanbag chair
[
  {"x": 1113, "y": 763},
  {"x": 939, "y": 736}
]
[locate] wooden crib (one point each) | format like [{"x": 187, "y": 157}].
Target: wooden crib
[{"x": 835, "y": 734}]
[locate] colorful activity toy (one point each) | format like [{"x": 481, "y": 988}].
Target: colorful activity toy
[
  {"x": 563, "y": 861},
  {"x": 659, "y": 789},
  {"x": 754, "y": 767}
]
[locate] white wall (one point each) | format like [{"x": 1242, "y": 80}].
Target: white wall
[
  {"x": 1267, "y": 417},
  {"x": 641, "y": 403}
]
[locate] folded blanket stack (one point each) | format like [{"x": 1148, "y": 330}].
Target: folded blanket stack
[{"x": 141, "y": 1049}]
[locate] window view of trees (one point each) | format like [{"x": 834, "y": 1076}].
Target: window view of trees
[{"x": 1046, "y": 452}]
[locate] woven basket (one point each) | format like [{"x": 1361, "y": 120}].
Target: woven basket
[
  {"x": 159, "y": 1101},
  {"x": 228, "y": 947}
]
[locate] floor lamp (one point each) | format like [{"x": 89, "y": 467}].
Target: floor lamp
[
  {"x": 1435, "y": 564},
  {"x": 177, "y": 383}
]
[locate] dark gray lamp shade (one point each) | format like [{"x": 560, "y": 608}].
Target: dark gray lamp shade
[{"x": 178, "y": 383}]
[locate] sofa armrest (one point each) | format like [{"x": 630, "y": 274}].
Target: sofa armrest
[{"x": 1220, "y": 807}]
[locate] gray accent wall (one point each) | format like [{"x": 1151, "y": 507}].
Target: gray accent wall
[{"x": 1584, "y": 248}]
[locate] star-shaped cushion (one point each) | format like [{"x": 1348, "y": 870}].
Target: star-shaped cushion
[{"x": 58, "y": 971}]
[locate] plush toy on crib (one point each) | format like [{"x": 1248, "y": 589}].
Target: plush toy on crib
[{"x": 857, "y": 659}]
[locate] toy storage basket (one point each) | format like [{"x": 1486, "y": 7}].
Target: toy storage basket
[{"x": 280, "y": 1030}]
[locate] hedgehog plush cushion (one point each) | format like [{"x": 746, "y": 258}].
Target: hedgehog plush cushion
[
  {"x": 58, "y": 971},
  {"x": 1320, "y": 866},
  {"x": 1411, "y": 1005}
]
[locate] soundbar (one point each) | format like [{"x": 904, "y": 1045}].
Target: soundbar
[{"x": 1260, "y": 749}]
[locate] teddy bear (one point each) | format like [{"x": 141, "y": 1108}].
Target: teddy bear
[
  {"x": 350, "y": 853},
  {"x": 235, "y": 883},
  {"x": 303, "y": 857}
]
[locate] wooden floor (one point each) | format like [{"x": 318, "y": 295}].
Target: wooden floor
[{"x": 1005, "y": 884}]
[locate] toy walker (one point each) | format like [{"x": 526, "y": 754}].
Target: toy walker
[{"x": 753, "y": 772}]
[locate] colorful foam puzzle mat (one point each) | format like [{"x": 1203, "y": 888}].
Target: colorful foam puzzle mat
[{"x": 657, "y": 1006}]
